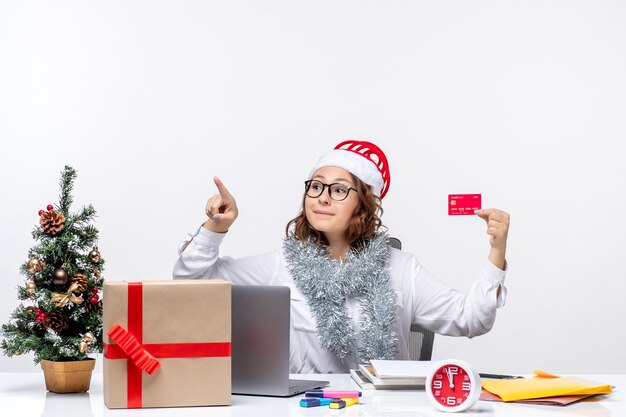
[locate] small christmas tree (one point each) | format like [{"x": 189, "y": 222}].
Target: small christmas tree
[{"x": 63, "y": 318}]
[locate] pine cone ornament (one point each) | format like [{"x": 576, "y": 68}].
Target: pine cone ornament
[
  {"x": 56, "y": 321},
  {"x": 94, "y": 308},
  {"x": 82, "y": 281},
  {"x": 52, "y": 222}
]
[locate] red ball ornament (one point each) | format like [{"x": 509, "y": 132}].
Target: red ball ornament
[
  {"x": 94, "y": 290},
  {"x": 94, "y": 299},
  {"x": 41, "y": 212},
  {"x": 50, "y": 207},
  {"x": 38, "y": 311}
]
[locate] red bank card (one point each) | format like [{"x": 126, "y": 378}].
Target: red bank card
[{"x": 463, "y": 204}]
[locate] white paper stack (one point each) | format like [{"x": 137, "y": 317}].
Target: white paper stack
[{"x": 391, "y": 374}]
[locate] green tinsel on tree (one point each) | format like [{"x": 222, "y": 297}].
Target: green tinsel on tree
[{"x": 60, "y": 317}]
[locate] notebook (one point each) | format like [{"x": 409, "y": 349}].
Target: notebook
[{"x": 260, "y": 342}]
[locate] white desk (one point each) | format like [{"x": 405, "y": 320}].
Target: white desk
[{"x": 24, "y": 394}]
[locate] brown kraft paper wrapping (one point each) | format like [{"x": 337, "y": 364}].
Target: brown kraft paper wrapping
[{"x": 174, "y": 312}]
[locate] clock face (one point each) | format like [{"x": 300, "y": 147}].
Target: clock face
[{"x": 453, "y": 386}]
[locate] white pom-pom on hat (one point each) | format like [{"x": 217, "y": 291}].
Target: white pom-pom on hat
[{"x": 363, "y": 159}]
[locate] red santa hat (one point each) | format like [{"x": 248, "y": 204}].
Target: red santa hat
[{"x": 363, "y": 159}]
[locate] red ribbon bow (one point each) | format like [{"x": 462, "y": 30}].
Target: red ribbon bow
[{"x": 135, "y": 351}]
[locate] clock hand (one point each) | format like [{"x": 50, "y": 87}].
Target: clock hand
[{"x": 450, "y": 379}]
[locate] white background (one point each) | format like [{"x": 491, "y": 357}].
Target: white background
[{"x": 522, "y": 101}]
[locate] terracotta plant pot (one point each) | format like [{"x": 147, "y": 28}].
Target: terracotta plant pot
[{"x": 65, "y": 377}]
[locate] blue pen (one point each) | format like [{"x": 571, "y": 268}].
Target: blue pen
[{"x": 315, "y": 402}]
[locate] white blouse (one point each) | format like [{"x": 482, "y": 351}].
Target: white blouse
[{"x": 421, "y": 298}]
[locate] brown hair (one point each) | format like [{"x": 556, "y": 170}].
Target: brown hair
[{"x": 364, "y": 223}]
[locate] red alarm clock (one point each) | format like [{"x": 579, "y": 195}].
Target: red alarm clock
[{"x": 453, "y": 385}]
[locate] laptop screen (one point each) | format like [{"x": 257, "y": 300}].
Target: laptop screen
[
  {"x": 260, "y": 342},
  {"x": 260, "y": 339}
]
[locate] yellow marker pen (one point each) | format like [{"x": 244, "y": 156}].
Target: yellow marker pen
[{"x": 343, "y": 402}]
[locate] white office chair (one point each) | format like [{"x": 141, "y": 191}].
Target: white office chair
[{"x": 420, "y": 340}]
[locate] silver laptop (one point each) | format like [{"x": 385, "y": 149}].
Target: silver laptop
[{"x": 260, "y": 342}]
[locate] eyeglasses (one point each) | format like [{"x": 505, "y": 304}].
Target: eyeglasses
[{"x": 336, "y": 191}]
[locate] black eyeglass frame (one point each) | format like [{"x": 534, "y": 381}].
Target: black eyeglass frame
[{"x": 307, "y": 187}]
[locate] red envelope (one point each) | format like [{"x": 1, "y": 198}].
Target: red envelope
[{"x": 463, "y": 204}]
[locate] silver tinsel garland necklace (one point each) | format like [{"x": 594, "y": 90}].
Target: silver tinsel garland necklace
[{"x": 327, "y": 283}]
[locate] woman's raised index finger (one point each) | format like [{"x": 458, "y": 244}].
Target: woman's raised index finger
[{"x": 221, "y": 187}]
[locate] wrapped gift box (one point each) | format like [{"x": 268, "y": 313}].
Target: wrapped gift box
[{"x": 167, "y": 343}]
